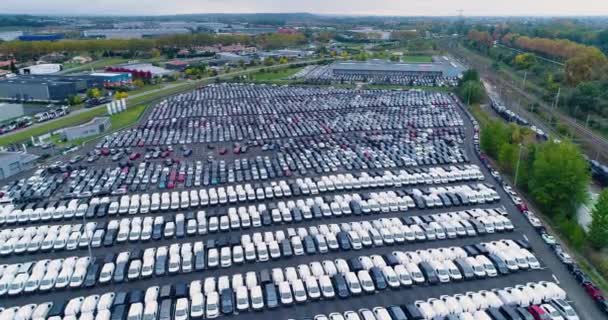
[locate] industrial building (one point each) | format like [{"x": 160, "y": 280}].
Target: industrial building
[
  {"x": 10, "y": 111},
  {"x": 46, "y": 88},
  {"x": 141, "y": 70},
  {"x": 45, "y": 68},
  {"x": 113, "y": 79},
  {"x": 438, "y": 68},
  {"x": 133, "y": 33},
  {"x": 12, "y": 163},
  {"x": 41, "y": 37},
  {"x": 92, "y": 128},
  {"x": 442, "y": 71}
]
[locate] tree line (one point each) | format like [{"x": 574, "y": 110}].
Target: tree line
[
  {"x": 25, "y": 50},
  {"x": 583, "y": 63}
]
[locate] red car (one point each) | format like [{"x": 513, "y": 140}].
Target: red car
[
  {"x": 105, "y": 151},
  {"x": 223, "y": 151},
  {"x": 538, "y": 313},
  {"x": 522, "y": 207},
  {"x": 594, "y": 292},
  {"x": 134, "y": 156}
]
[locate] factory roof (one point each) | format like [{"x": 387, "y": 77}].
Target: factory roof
[{"x": 447, "y": 68}]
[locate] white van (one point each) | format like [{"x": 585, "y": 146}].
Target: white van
[
  {"x": 165, "y": 203},
  {"x": 155, "y": 203}
]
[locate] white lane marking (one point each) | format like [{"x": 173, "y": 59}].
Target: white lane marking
[
  {"x": 526, "y": 238},
  {"x": 556, "y": 280}
]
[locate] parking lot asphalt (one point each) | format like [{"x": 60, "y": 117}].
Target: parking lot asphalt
[{"x": 553, "y": 269}]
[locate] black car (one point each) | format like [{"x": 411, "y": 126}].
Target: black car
[
  {"x": 91, "y": 278},
  {"x": 271, "y": 296},
  {"x": 160, "y": 266},
  {"x": 500, "y": 264},
  {"x": 227, "y": 301},
  {"x": 343, "y": 240},
  {"x": 166, "y": 292},
  {"x": 429, "y": 273},
  {"x": 396, "y": 313},
  {"x": 465, "y": 269},
  {"x": 119, "y": 312},
  {"x": 286, "y": 248},
  {"x": 309, "y": 245},
  {"x": 354, "y": 264},
  {"x": 341, "y": 286},
  {"x": 412, "y": 312},
  {"x": 378, "y": 278}
]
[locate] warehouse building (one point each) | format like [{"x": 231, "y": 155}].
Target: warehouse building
[
  {"x": 10, "y": 111},
  {"x": 46, "y": 88},
  {"x": 438, "y": 68},
  {"x": 141, "y": 70},
  {"x": 113, "y": 79},
  {"x": 44, "y": 68},
  {"x": 12, "y": 163},
  {"x": 133, "y": 33},
  {"x": 92, "y": 128}
]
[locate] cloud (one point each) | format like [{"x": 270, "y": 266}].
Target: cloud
[{"x": 359, "y": 7}]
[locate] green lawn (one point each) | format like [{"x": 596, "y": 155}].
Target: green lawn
[
  {"x": 273, "y": 75},
  {"x": 416, "y": 59},
  {"x": 128, "y": 117},
  {"x": 67, "y": 121}
]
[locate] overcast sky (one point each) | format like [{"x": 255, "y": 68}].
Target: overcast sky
[{"x": 358, "y": 7}]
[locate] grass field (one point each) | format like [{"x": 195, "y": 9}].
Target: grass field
[
  {"x": 273, "y": 75},
  {"x": 128, "y": 117},
  {"x": 67, "y": 121},
  {"x": 416, "y": 59}
]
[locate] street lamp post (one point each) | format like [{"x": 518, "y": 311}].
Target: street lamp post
[{"x": 517, "y": 166}]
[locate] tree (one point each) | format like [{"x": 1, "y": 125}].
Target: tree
[
  {"x": 507, "y": 157},
  {"x": 598, "y": 230},
  {"x": 559, "y": 178},
  {"x": 585, "y": 96},
  {"x": 269, "y": 61},
  {"x": 121, "y": 95},
  {"x": 139, "y": 83},
  {"x": 471, "y": 92},
  {"x": 74, "y": 100},
  {"x": 493, "y": 135},
  {"x": 395, "y": 58},
  {"x": 283, "y": 60},
  {"x": 585, "y": 66},
  {"x": 525, "y": 61},
  {"x": 94, "y": 93},
  {"x": 470, "y": 75}
]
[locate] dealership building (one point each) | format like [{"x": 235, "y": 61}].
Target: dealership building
[
  {"x": 445, "y": 68},
  {"x": 46, "y": 88}
]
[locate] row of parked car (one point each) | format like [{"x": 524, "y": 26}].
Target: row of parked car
[
  {"x": 496, "y": 304},
  {"x": 256, "y": 247},
  {"x": 321, "y": 280},
  {"x": 356, "y": 203},
  {"x": 336, "y": 154},
  {"x": 327, "y": 75},
  {"x": 368, "y": 232},
  {"x": 238, "y": 99}
]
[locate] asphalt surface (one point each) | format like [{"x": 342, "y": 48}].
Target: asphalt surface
[{"x": 553, "y": 269}]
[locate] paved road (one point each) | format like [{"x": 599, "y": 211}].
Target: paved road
[{"x": 584, "y": 305}]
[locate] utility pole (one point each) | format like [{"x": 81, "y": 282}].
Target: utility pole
[
  {"x": 587, "y": 122},
  {"x": 556, "y": 102},
  {"x": 517, "y": 166},
  {"x": 525, "y": 77}
]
